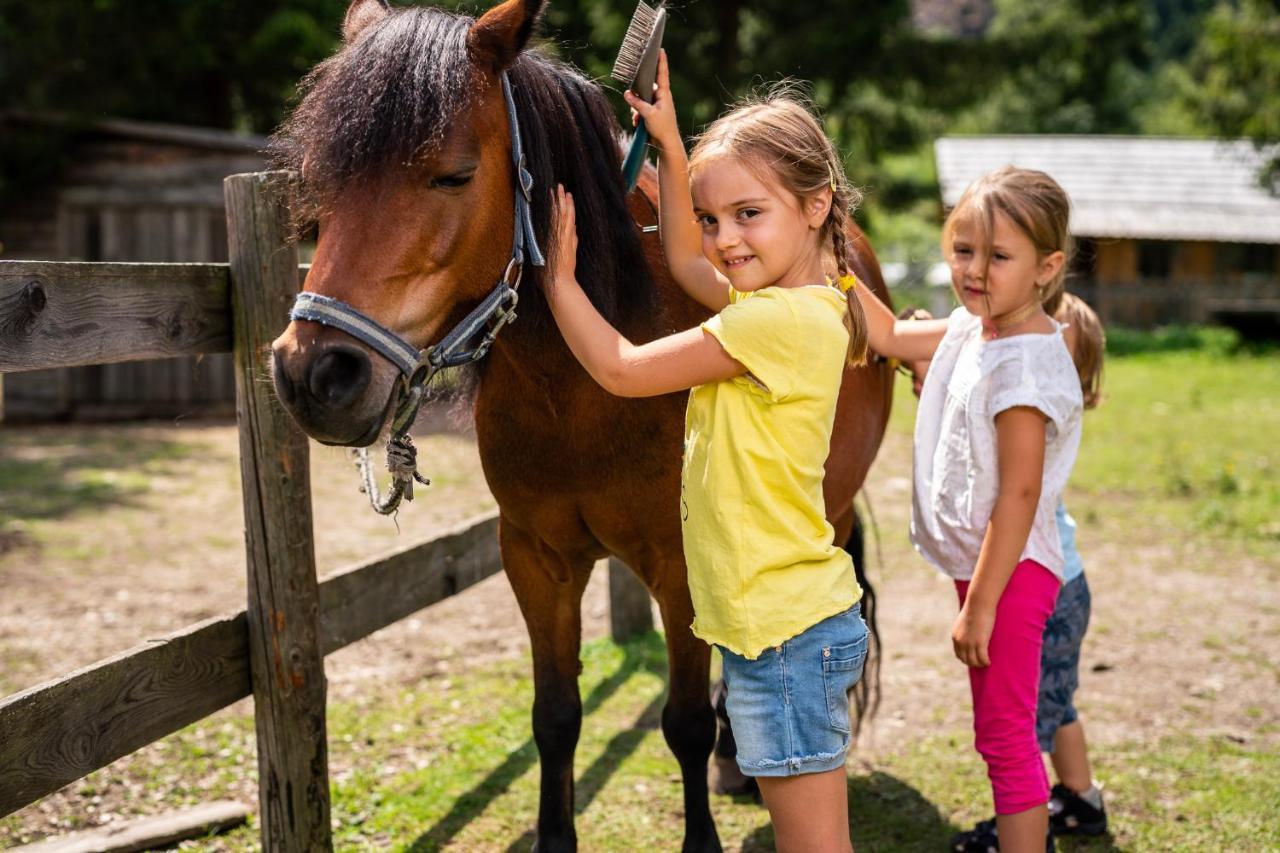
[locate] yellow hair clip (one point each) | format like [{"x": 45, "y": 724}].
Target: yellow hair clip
[{"x": 847, "y": 282}]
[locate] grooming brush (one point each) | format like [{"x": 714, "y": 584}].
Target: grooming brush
[{"x": 637, "y": 69}]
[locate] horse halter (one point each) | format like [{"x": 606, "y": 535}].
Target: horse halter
[{"x": 417, "y": 367}]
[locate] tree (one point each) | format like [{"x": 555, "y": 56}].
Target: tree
[
  {"x": 1235, "y": 71},
  {"x": 1073, "y": 66},
  {"x": 215, "y": 63}
]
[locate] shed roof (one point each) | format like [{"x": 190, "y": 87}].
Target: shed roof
[
  {"x": 145, "y": 131},
  {"x": 1143, "y": 187}
]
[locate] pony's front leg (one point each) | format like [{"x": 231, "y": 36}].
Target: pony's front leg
[
  {"x": 688, "y": 720},
  {"x": 549, "y": 590}
]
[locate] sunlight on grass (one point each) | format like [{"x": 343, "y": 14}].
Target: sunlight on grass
[{"x": 1185, "y": 437}]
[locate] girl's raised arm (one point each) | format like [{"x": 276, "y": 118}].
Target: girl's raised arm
[
  {"x": 678, "y": 227},
  {"x": 906, "y": 340},
  {"x": 674, "y": 363}
]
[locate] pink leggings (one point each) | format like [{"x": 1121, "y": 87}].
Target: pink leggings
[{"x": 1004, "y": 693}]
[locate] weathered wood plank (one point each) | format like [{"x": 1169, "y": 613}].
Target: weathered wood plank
[
  {"x": 285, "y": 656},
  {"x": 630, "y": 608},
  {"x": 363, "y": 599},
  {"x": 163, "y": 830},
  {"x": 60, "y": 731},
  {"x": 64, "y": 314}
]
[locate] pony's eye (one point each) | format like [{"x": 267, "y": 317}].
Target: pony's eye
[{"x": 452, "y": 181}]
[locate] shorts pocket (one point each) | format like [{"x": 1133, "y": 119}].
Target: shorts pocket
[{"x": 841, "y": 669}]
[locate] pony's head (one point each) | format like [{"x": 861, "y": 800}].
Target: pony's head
[{"x": 402, "y": 152}]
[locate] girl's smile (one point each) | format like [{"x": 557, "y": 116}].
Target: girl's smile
[{"x": 754, "y": 232}]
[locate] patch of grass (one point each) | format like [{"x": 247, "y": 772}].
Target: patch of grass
[
  {"x": 1183, "y": 439},
  {"x": 1175, "y": 793},
  {"x": 452, "y": 765},
  {"x": 1213, "y": 340},
  {"x": 50, "y": 474}
]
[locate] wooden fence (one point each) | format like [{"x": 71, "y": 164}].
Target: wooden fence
[{"x": 55, "y": 314}]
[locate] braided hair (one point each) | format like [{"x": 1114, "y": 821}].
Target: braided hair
[{"x": 778, "y": 134}]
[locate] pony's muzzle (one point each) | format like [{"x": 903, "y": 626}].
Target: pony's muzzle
[{"x": 333, "y": 389}]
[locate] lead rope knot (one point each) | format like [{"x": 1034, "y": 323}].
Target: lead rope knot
[{"x": 402, "y": 462}]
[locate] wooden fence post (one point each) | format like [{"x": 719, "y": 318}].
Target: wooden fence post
[
  {"x": 284, "y": 603},
  {"x": 630, "y": 611}
]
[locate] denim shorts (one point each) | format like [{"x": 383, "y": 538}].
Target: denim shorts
[
  {"x": 789, "y": 707},
  {"x": 1060, "y": 661}
]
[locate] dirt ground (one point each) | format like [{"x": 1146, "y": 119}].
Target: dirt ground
[{"x": 1181, "y": 639}]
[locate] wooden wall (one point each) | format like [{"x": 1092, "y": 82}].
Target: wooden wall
[
  {"x": 1200, "y": 285},
  {"x": 127, "y": 200}
]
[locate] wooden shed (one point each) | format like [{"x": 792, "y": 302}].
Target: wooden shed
[
  {"x": 1167, "y": 230},
  {"x": 135, "y": 191}
]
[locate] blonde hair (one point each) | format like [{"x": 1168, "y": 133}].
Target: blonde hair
[
  {"x": 1090, "y": 345},
  {"x": 778, "y": 136},
  {"x": 1034, "y": 202}
]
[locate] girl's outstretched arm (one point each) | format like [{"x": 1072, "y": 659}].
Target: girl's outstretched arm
[
  {"x": 674, "y": 363},
  {"x": 906, "y": 340},
  {"x": 678, "y": 226},
  {"x": 1020, "y": 441}
]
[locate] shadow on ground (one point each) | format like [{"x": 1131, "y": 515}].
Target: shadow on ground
[
  {"x": 886, "y": 814},
  {"x": 645, "y": 654},
  {"x": 55, "y": 472}
]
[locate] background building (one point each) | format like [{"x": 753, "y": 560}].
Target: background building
[
  {"x": 130, "y": 191},
  {"x": 1167, "y": 230}
]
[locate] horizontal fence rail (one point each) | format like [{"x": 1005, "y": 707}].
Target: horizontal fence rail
[
  {"x": 58, "y": 732},
  {"x": 56, "y": 314},
  {"x": 61, "y": 314}
]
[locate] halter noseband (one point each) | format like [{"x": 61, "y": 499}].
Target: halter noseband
[{"x": 487, "y": 319}]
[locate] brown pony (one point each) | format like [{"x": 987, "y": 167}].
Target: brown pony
[{"x": 404, "y": 155}]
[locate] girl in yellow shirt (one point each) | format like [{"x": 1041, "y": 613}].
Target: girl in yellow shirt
[{"x": 751, "y": 225}]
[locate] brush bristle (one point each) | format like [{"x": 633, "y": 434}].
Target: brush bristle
[{"x": 634, "y": 43}]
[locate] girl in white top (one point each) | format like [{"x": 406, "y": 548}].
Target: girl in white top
[{"x": 996, "y": 435}]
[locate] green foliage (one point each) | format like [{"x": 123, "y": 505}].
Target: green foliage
[
  {"x": 1073, "y": 66},
  {"x": 215, "y": 63},
  {"x": 886, "y": 88},
  {"x": 1236, "y": 71},
  {"x": 1211, "y": 340}
]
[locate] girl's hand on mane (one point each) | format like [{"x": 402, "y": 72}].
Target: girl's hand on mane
[
  {"x": 660, "y": 116},
  {"x": 564, "y": 251}
]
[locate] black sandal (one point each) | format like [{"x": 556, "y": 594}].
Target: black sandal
[{"x": 983, "y": 839}]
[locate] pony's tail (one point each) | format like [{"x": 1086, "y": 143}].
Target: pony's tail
[{"x": 866, "y": 693}]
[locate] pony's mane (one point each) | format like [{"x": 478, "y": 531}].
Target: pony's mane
[{"x": 392, "y": 93}]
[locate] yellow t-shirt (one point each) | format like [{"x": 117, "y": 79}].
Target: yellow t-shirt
[{"x": 762, "y": 563}]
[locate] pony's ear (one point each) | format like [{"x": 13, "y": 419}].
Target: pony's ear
[
  {"x": 360, "y": 14},
  {"x": 497, "y": 38}
]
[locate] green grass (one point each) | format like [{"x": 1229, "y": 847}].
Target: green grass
[
  {"x": 452, "y": 765},
  {"x": 73, "y": 471},
  {"x": 1185, "y": 437}
]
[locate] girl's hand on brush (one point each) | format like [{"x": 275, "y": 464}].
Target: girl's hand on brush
[
  {"x": 971, "y": 635},
  {"x": 660, "y": 116}
]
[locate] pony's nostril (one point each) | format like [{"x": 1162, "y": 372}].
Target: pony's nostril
[{"x": 339, "y": 376}]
